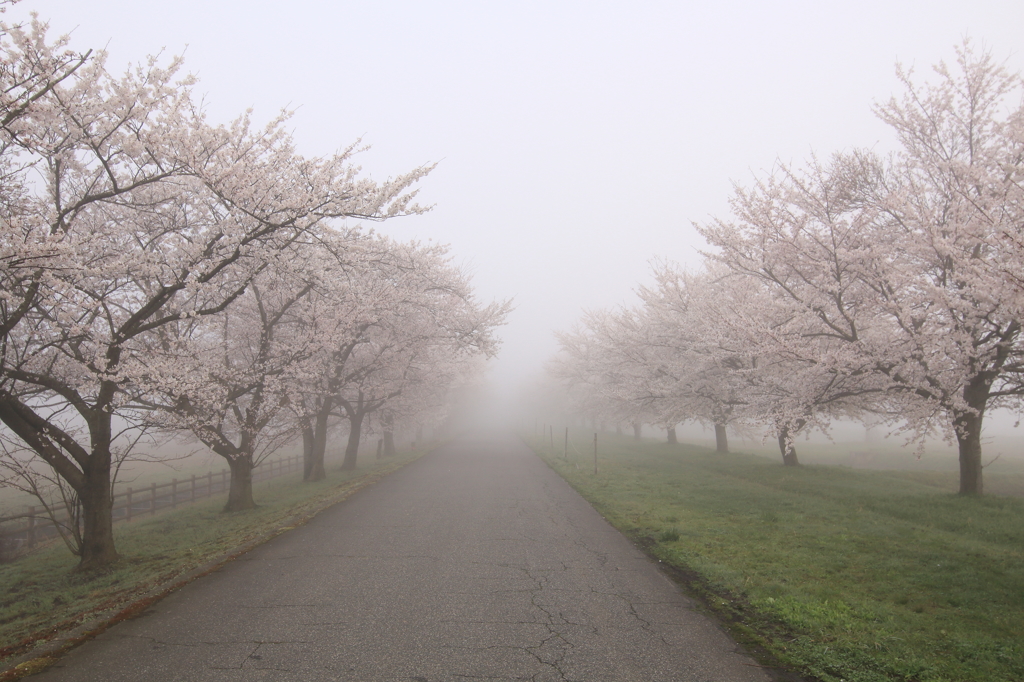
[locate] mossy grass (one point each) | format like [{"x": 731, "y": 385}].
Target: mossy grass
[
  {"x": 42, "y": 595},
  {"x": 841, "y": 574}
]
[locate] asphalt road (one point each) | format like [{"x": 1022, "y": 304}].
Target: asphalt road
[{"x": 476, "y": 562}]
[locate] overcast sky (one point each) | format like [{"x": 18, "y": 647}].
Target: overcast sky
[{"x": 575, "y": 140}]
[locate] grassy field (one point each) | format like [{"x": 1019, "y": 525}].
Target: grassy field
[
  {"x": 840, "y": 573},
  {"x": 40, "y": 595}
]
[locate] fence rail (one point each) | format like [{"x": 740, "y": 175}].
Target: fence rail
[{"x": 134, "y": 503}]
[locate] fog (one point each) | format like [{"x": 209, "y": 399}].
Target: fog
[{"x": 575, "y": 141}]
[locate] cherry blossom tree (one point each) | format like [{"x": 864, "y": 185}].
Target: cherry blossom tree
[
  {"x": 91, "y": 146},
  {"x": 714, "y": 347},
  {"x": 779, "y": 374},
  {"x": 396, "y": 327},
  {"x": 906, "y": 267},
  {"x": 599, "y": 368},
  {"x": 700, "y": 369},
  {"x": 226, "y": 378},
  {"x": 128, "y": 212},
  {"x": 432, "y": 323},
  {"x": 339, "y": 314}
]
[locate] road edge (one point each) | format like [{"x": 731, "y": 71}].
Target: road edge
[{"x": 48, "y": 651}]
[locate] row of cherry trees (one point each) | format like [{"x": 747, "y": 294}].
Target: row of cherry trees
[
  {"x": 883, "y": 288},
  {"x": 159, "y": 273}
]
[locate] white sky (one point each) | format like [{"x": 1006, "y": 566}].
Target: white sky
[{"x": 576, "y": 140}]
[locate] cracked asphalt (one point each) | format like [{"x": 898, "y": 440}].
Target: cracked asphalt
[{"x": 476, "y": 562}]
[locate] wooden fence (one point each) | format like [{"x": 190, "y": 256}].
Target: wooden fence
[{"x": 134, "y": 503}]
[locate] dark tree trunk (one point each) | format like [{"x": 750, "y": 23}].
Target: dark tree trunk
[
  {"x": 317, "y": 471},
  {"x": 96, "y": 496},
  {"x": 91, "y": 482},
  {"x": 672, "y": 435},
  {"x": 637, "y": 430},
  {"x": 721, "y": 439},
  {"x": 967, "y": 425},
  {"x": 240, "y": 492},
  {"x": 969, "y": 443},
  {"x": 786, "y": 447},
  {"x": 97, "y": 523},
  {"x": 308, "y": 438},
  {"x": 389, "y": 444},
  {"x": 352, "y": 448},
  {"x": 380, "y": 448}
]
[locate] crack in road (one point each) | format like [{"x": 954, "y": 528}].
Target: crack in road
[{"x": 554, "y": 663}]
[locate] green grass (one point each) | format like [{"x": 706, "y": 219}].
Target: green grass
[
  {"x": 842, "y": 574},
  {"x": 938, "y": 465},
  {"x": 41, "y": 592}
]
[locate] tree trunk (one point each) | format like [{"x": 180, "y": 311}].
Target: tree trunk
[
  {"x": 240, "y": 492},
  {"x": 786, "y": 447},
  {"x": 352, "y": 449},
  {"x": 389, "y": 444},
  {"x": 97, "y": 523},
  {"x": 721, "y": 439},
  {"x": 969, "y": 443},
  {"x": 618, "y": 429},
  {"x": 317, "y": 471},
  {"x": 672, "y": 435},
  {"x": 308, "y": 438},
  {"x": 419, "y": 436},
  {"x": 380, "y": 448},
  {"x": 637, "y": 429},
  {"x": 96, "y": 496}
]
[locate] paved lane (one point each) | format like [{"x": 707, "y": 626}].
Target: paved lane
[{"x": 476, "y": 562}]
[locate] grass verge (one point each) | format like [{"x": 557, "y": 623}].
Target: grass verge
[
  {"x": 860, "y": 576},
  {"x": 45, "y": 607}
]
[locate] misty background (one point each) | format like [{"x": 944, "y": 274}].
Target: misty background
[{"x": 575, "y": 141}]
